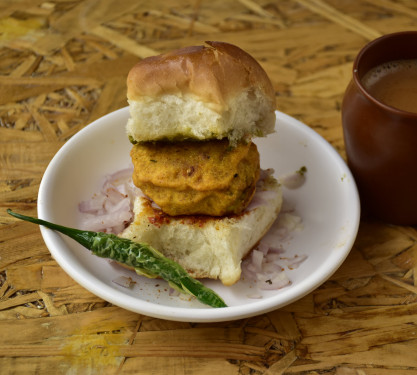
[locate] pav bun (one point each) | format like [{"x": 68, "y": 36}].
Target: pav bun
[{"x": 200, "y": 92}]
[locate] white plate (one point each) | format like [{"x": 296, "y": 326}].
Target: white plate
[{"x": 328, "y": 204}]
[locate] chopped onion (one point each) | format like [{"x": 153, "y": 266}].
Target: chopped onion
[
  {"x": 111, "y": 209},
  {"x": 273, "y": 257},
  {"x": 294, "y": 180},
  {"x": 265, "y": 173},
  {"x": 255, "y": 295},
  {"x": 257, "y": 260},
  {"x": 277, "y": 282},
  {"x": 173, "y": 292},
  {"x": 262, "y": 196},
  {"x": 294, "y": 262},
  {"x": 124, "y": 281},
  {"x": 93, "y": 205},
  {"x": 267, "y": 265},
  {"x": 263, "y": 247}
]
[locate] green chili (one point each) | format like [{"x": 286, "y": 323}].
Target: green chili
[{"x": 143, "y": 258}]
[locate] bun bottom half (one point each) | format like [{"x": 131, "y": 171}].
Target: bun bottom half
[{"x": 207, "y": 247}]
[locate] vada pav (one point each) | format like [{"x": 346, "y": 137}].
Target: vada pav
[{"x": 193, "y": 114}]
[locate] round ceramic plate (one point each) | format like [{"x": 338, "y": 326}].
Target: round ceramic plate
[{"x": 328, "y": 204}]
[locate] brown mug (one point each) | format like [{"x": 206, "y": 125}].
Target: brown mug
[{"x": 380, "y": 140}]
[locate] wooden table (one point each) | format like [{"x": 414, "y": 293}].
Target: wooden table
[{"x": 64, "y": 64}]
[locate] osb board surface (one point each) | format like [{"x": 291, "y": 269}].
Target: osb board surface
[{"x": 63, "y": 64}]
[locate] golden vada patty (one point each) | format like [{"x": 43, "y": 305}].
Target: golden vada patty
[{"x": 197, "y": 177}]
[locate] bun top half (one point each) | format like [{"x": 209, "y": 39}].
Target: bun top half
[{"x": 200, "y": 92}]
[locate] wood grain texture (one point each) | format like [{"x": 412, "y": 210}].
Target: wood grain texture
[{"x": 64, "y": 64}]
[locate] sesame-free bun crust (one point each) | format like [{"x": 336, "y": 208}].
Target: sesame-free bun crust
[{"x": 200, "y": 92}]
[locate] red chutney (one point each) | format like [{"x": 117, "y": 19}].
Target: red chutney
[{"x": 158, "y": 218}]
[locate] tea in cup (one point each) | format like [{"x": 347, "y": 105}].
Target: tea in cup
[{"x": 394, "y": 83}]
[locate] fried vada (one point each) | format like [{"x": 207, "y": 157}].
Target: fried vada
[{"x": 194, "y": 177}]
